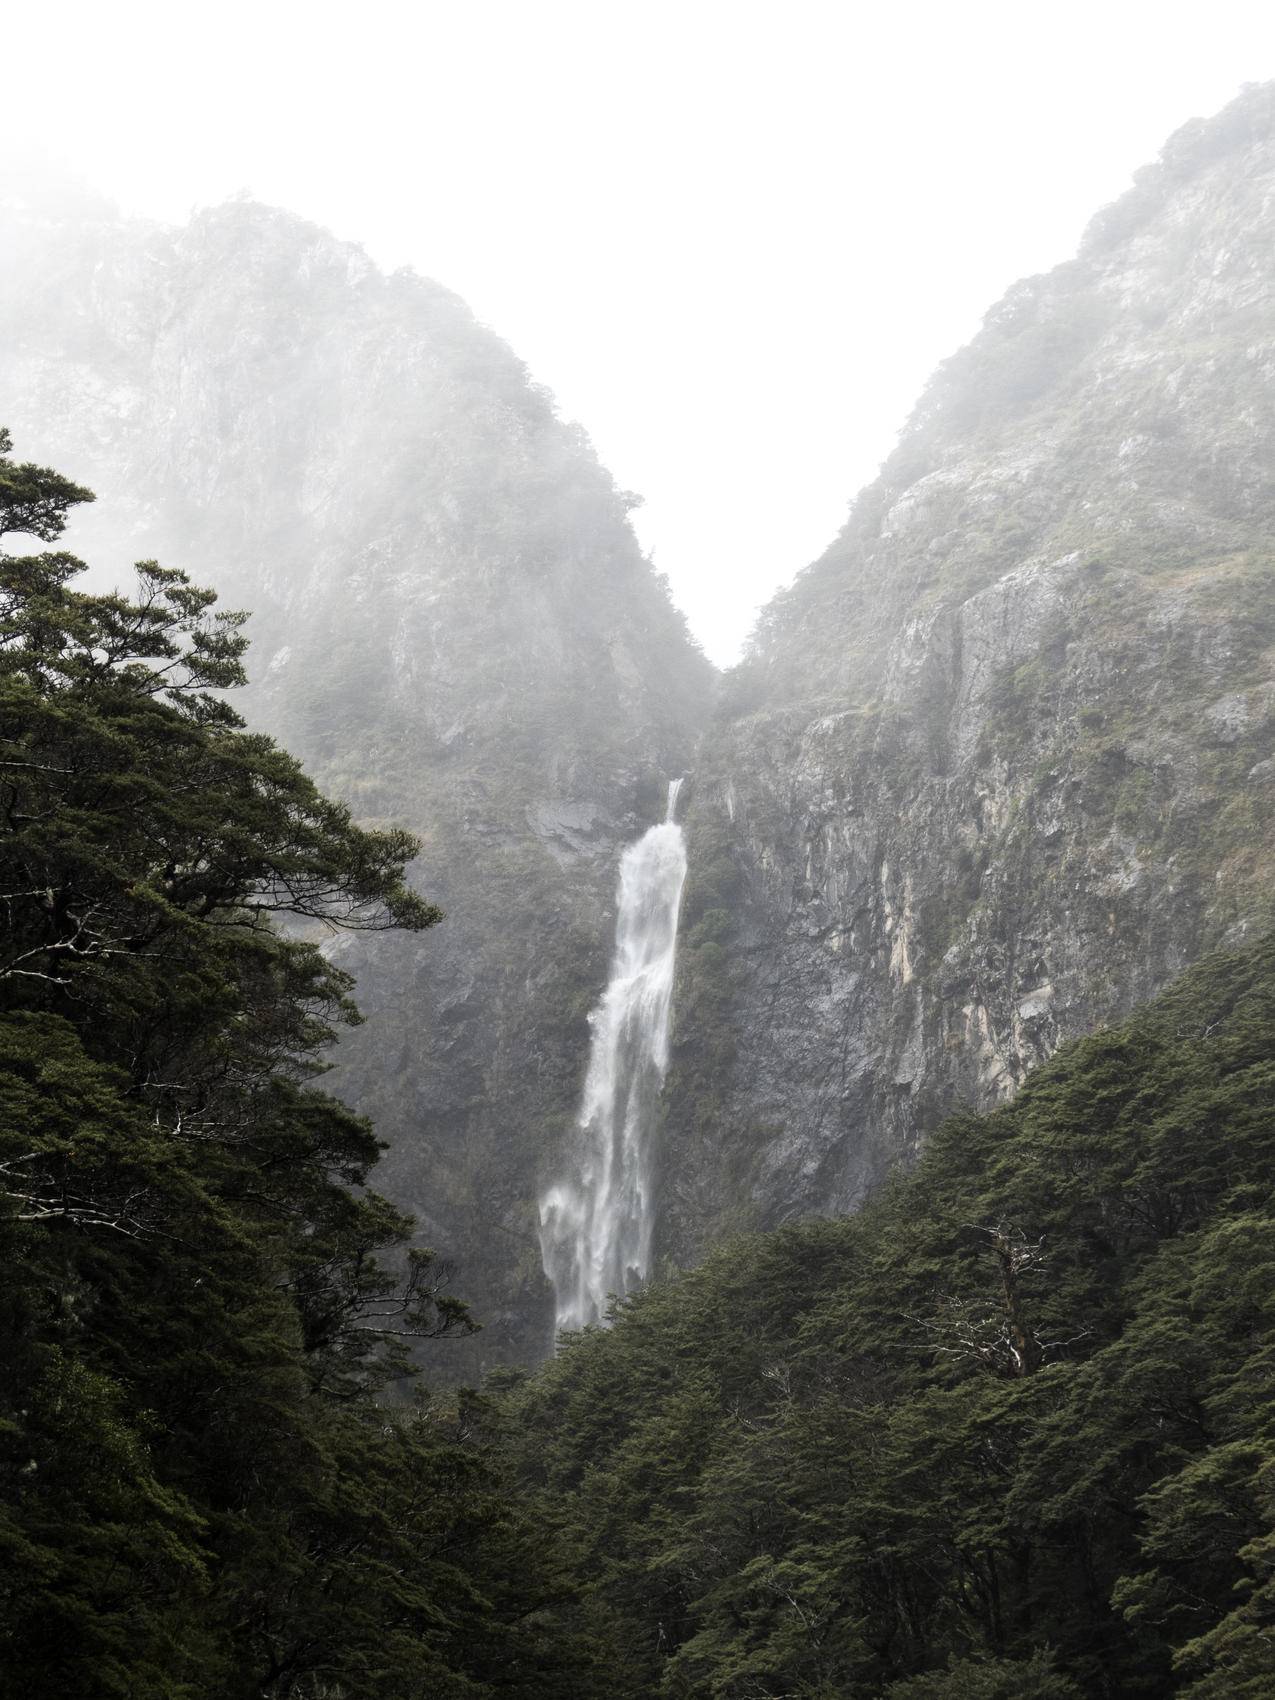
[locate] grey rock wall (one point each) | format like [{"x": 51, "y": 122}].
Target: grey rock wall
[{"x": 1000, "y": 764}]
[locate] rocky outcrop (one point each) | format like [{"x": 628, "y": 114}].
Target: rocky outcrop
[
  {"x": 453, "y": 626},
  {"x": 1001, "y": 763}
]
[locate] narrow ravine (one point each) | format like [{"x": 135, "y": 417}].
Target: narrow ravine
[{"x": 596, "y": 1226}]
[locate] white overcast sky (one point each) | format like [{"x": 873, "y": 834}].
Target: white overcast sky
[{"x": 733, "y": 238}]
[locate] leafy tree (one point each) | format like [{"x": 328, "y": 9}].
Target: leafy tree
[{"x": 201, "y": 1298}]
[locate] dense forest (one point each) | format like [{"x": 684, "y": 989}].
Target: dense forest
[{"x": 1006, "y": 1432}]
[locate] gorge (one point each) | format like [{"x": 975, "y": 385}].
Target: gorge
[
  {"x": 995, "y": 770},
  {"x": 530, "y": 1170}
]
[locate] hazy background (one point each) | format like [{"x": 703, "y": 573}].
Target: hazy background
[{"x": 733, "y": 239}]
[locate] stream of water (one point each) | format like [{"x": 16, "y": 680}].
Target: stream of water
[{"x": 596, "y": 1226}]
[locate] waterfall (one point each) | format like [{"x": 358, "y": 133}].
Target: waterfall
[{"x": 595, "y": 1228}]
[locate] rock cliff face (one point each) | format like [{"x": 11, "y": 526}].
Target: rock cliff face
[
  {"x": 1002, "y": 762},
  {"x": 453, "y": 627},
  {"x": 998, "y": 767}
]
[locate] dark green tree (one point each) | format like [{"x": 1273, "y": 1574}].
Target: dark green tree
[{"x": 199, "y": 1492}]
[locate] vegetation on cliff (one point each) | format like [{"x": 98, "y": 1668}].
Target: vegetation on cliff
[{"x": 1006, "y": 1432}]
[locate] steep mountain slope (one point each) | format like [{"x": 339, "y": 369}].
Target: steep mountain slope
[
  {"x": 453, "y": 626},
  {"x": 1001, "y": 763}
]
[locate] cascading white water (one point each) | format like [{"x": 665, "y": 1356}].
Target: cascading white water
[{"x": 595, "y": 1229}]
